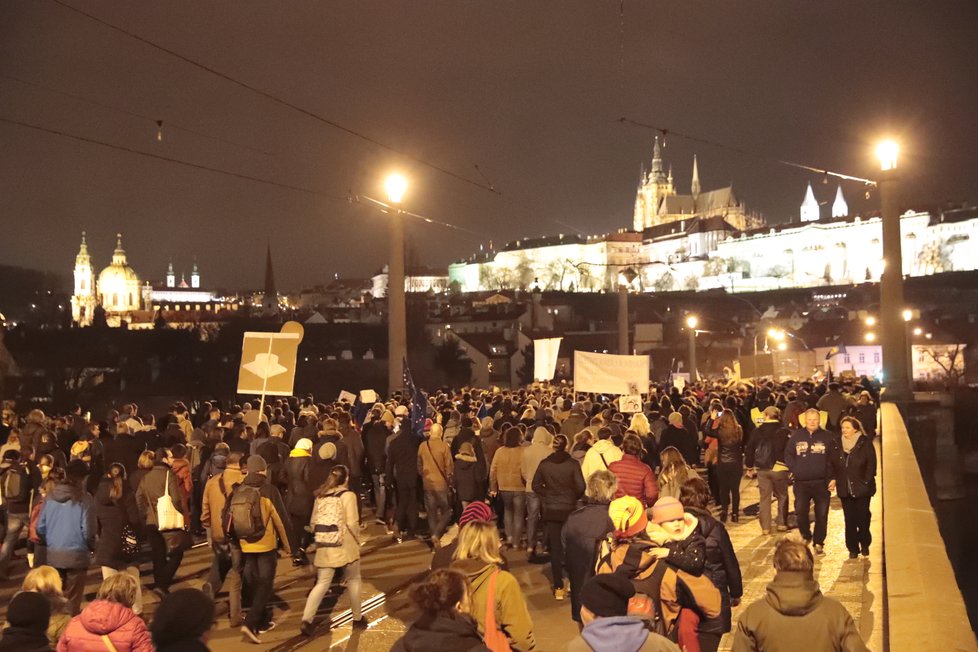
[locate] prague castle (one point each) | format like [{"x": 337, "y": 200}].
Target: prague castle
[{"x": 708, "y": 240}]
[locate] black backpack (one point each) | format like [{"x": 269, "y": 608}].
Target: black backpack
[
  {"x": 16, "y": 484},
  {"x": 764, "y": 454},
  {"x": 242, "y": 515}
]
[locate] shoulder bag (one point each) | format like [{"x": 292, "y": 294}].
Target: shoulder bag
[{"x": 495, "y": 639}]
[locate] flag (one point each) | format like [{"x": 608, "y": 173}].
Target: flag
[{"x": 419, "y": 402}]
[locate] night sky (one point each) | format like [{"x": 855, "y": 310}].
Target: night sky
[{"x": 530, "y": 92}]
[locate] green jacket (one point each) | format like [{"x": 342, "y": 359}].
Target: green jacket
[
  {"x": 512, "y": 615},
  {"x": 794, "y": 615}
]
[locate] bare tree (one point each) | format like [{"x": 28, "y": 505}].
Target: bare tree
[{"x": 951, "y": 361}]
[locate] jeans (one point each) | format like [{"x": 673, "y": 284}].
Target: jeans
[
  {"x": 380, "y": 495},
  {"x": 407, "y": 509},
  {"x": 137, "y": 606},
  {"x": 858, "y": 516},
  {"x": 324, "y": 579},
  {"x": 259, "y": 575},
  {"x": 556, "y": 544},
  {"x": 227, "y": 566},
  {"x": 437, "y": 504},
  {"x": 807, "y": 491},
  {"x": 16, "y": 523},
  {"x": 73, "y": 583},
  {"x": 165, "y": 565},
  {"x": 532, "y": 517},
  {"x": 728, "y": 479},
  {"x": 513, "y": 511},
  {"x": 775, "y": 482}
]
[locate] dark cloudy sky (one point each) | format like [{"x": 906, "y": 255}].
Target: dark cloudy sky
[{"x": 528, "y": 91}]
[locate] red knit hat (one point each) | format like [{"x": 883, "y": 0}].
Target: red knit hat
[{"x": 475, "y": 511}]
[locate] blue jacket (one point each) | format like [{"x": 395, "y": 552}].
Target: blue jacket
[
  {"x": 67, "y": 526},
  {"x": 811, "y": 456}
]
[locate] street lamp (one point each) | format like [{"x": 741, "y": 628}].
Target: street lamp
[
  {"x": 893, "y": 331},
  {"x": 691, "y": 322},
  {"x": 871, "y": 321},
  {"x": 907, "y": 314},
  {"x": 871, "y": 336},
  {"x": 782, "y": 346},
  {"x": 625, "y": 278},
  {"x": 918, "y": 331},
  {"x": 395, "y": 186}
]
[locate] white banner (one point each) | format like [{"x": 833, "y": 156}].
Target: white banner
[
  {"x": 545, "y": 357},
  {"x": 611, "y": 374}
]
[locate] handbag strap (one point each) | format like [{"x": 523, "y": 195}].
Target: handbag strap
[
  {"x": 435, "y": 462},
  {"x": 166, "y": 484},
  {"x": 108, "y": 643},
  {"x": 491, "y": 625}
]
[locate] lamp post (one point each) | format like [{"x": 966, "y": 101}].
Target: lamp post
[
  {"x": 691, "y": 322},
  {"x": 395, "y": 186},
  {"x": 625, "y": 277},
  {"x": 893, "y": 334}
]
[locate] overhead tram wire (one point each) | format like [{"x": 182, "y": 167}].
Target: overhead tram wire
[
  {"x": 739, "y": 150},
  {"x": 169, "y": 125},
  {"x": 278, "y": 100},
  {"x": 424, "y": 218}
]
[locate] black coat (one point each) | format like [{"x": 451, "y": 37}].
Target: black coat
[
  {"x": 113, "y": 515},
  {"x": 721, "y": 567},
  {"x": 560, "y": 484},
  {"x": 375, "y": 436},
  {"x": 443, "y": 631},
  {"x": 21, "y": 639},
  {"x": 470, "y": 482},
  {"x": 402, "y": 459},
  {"x": 684, "y": 441},
  {"x": 856, "y": 471},
  {"x": 775, "y": 437},
  {"x": 468, "y": 435},
  {"x": 584, "y": 528},
  {"x": 124, "y": 449},
  {"x": 298, "y": 493}
]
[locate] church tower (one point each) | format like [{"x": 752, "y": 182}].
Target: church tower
[
  {"x": 809, "y": 207},
  {"x": 839, "y": 207},
  {"x": 269, "y": 300},
  {"x": 171, "y": 278},
  {"x": 654, "y": 187},
  {"x": 195, "y": 277},
  {"x": 695, "y": 188},
  {"x": 83, "y": 300}
]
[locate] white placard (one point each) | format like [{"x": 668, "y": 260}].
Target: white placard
[
  {"x": 610, "y": 374},
  {"x": 348, "y": 397},
  {"x": 368, "y": 396},
  {"x": 679, "y": 381},
  {"x": 545, "y": 357},
  {"x": 630, "y": 403}
]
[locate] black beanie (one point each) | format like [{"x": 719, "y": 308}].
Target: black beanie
[
  {"x": 183, "y": 615},
  {"x": 29, "y": 610},
  {"x": 607, "y": 595}
]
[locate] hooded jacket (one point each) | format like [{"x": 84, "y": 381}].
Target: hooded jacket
[
  {"x": 600, "y": 456},
  {"x": 559, "y": 484},
  {"x": 619, "y": 634},
  {"x": 435, "y": 464},
  {"x": 512, "y": 616},
  {"x": 441, "y": 631},
  {"x": 538, "y": 450},
  {"x": 24, "y": 639},
  {"x": 214, "y": 500},
  {"x": 506, "y": 472},
  {"x": 794, "y": 615},
  {"x": 584, "y": 528},
  {"x": 687, "y": 552},
  {"x": 67, "y": 526},
  {"x": 470, "y": 482},
  {"x": 298, "y": 494},
  {"x": 126, "y": 630}
]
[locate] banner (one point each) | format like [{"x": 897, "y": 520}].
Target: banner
[
  {"x": 545, "y": 357},
  {"x": 611, "y": 374},
  {"x": 268, "y": 361}
]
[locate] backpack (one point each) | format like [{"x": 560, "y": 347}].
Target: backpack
[
  {"x": 329, "y": 520},
  {"x": 194, "y": 457},
  {"x": 646, "y": 603},
  {"x": 242, "y": 514},
  {"x": 764, "y": 457},
  {"x": 16, "y": 484}
]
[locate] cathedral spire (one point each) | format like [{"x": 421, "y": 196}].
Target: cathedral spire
[
  {"x": 839, "y": 207},
  {"x": 269, "y": 302},
  {"x": 656, "y": 172},
  {"x": 809, "y": 206},
  {"x": 695, "y": 187}
]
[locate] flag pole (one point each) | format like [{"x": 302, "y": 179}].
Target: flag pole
[{"x": 264, "y": 383}]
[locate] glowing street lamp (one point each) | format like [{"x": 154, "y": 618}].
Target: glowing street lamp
[
  {"x": 625, "y": 278},
  {"x": 887, "y": 152},
  {"x": 918, "y": 331},
  {"x": 871, "y": 336},
  {"x": 691, "y": 323},
  {"x": 395, "y": 186},
  {"x": 907, "y": 314},
  {"x": 782, "y": 346},
  {"x": 871, "y": 321}
]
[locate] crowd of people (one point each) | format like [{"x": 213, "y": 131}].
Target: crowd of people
[{"x": 630, "y": 510}]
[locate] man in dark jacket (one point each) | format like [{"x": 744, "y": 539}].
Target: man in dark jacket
[
  {"x": 765, "y": 454},
  {"x": 402, "y": 472},
  {"x": 574, "y": 423},
  {"x": 559, "y": 483},
  {"x": 467, "y": 434},
  {"x": 375, "y": 434},
  {"x": 123, "y": 449},
  {"x": 18, "y": 507},
  {"x": 299, "y": 495},
  {"x": 584, "y": 528},
  {"x": 810, "y": 456}
]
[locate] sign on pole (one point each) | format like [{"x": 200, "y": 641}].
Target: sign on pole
[
  {"x": 610, "y": 374},
  {"x": 545, "y": 357},
  {"x": 268, "y": 362}
]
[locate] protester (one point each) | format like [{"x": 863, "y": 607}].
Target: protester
[
  {"x": 584, "y": 529},
  {"x": 228, "y": 564},
  {"x": 469, "y": 476},
  {"x": 119, "y": 527},
  {"x": 27, "y": 617},
  {"x": 765, "y": 454},
  {"x": 679, "y": 436},
  {"x": 435, "y": 467},
  {"x": 601, "y": 455},
  {"x": 19, "y": 483},
  {"x": 156, "y": 484},
  {"x": 856, "y": 484},
  {"x": 298, "y": 495},
  {"x": 183, "y": 622},
  {"x": 47, "y": 582},
  {"x": 795, "y": 615},
  {"x": 474, "y": 511},
  {"x": 635, "y": 477},
  {"x": 506, "y": 480},
  {"x": 109, "y": 621},
  {"x": 810, "y": 458},
  {"x": 402, "y": 474},
  {"x": 559, "y": 483},
  {"x": 445, "y": 600},
  {"x": 730, "y": 465},
  {"x": 675, "y": 472},
  {"x": 865, "y": 411},
  {"x": 375, "y": 434},
  {"x": 538, "y": 450}
]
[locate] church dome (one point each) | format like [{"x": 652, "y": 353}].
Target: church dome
[{"x": 118, "y": 284}]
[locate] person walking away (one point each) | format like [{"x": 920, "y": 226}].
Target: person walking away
[
  {"x": 538, "y": 450},
  {"x": 402, "y": 471},
  {"x": 679, "y": 437},
  {"x": 375, "y": 433},
  {"x": 474, "y": 511},
  {"x": 559, "y": 483},
  {"x": 20, "y": 482},
  {"x": 865, "y": 411},
  {"x": 336, "y": 524},
  {"x": 298, "y": 496},
  {"x": 497, "y": 599},
  {"x": 506, "y": 481},
  {"x": 354, "y": 446},
  {"x": 67, "y": 526},
  {"x": 183, "y": 622},
  {"x": 470, "y": 481},
  {"x": 228, "y": 564},
  {"x": 119, "y": 528},
  {"x": 109, "y": 621},
  {"x": 154, "y": 486},
  {"x": 675, "y": 472},
  {"x": 765, "y": 455},
  {"x": 27, "y": 619},
  {"x": 444, "y": 599},
  {"x": 730, "y": 464},
  {"x": 835, "y": 405},
  {"x": 635, "y": 478},
  {"x": 124, "y": 449},
  {"x": 584, "y": 529},
  {"x": 256, "y": 523},
  {"x": 601, "y": 455},
  {"x": 47, "y": 582},
  {"x": 795, "y": 615},
  {"x": 856, "y": 484},
  {"x": 435, "y": 468},
  {"x": 721, "y": 567},
  {"x": 607, "y": 625},
  {"x": 810, "y": 458}
]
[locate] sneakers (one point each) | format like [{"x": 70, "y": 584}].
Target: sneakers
[
  {"x": 560, "y": 594},
  {"x": 782, "y": 528},
  {"x": 360, "y": 623},
  {"x": 267, "y": 628},
  {"x": 819, "y": 549},
  {"x": 306, "y": 629},
  {"x": 250, "y": 635}
]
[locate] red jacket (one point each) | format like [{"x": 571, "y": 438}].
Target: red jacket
[
  {"x": 126, "y": 630},
  {"x": 181, "y": 468},
  {"x": 635, "y": 478}
]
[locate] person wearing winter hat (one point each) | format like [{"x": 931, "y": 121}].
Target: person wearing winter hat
[
  {"x": 227, "y": 565},
  {"x": 298, "y": 495},
  {"x": 538, "y": 450},
  {"x": 474, "y": 511},
  {"x": 28, "y": 614},
  {"x": 628, "y": 517},
  {"x": 607, "y": 625},
  {"x": 183, "y": 622}
]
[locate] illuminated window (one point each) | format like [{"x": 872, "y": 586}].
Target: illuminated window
[{"x": 862, "y": 358}]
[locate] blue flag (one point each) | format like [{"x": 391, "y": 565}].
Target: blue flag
[{"x": 419, "y": 403}]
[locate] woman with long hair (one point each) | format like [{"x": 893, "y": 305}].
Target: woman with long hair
[
  {"x": 730, "y": 464},
  {"x": 444, "y": 598},
  {"x": 506, "y": 480},
  {"x": 675, "y": 471},
  {"x": 855, "y": 483},
  {"x": 336, "y": 524},
  {"x": 119, "y": 527},
  {"x": 496, "y": 595}
]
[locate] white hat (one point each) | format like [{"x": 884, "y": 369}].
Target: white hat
[
  {"x": 304, "y": 444},
  {"x": 401, "y": 411}
]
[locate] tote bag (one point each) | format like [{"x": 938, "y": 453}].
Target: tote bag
[
  {"x": 495, "y": 639},
  {"x": 168, "y": 517}
]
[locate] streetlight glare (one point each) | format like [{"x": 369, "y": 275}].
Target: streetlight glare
[
  {"x": 692, "y": 321},
  {"x": 918, "y": 330},
  {"x": 395, "y": 185},
  {"x": 782, "y": 346},
  {"x": 870, "y": 337},
  {"x": 907, "y": 314},
  {"x": 776, "y": 334},
  {"x": 871, "y": 321},
  {"x": 887, "y": 152}
]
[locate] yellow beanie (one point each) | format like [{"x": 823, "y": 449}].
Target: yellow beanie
[{"x": 627, "y": 516}]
